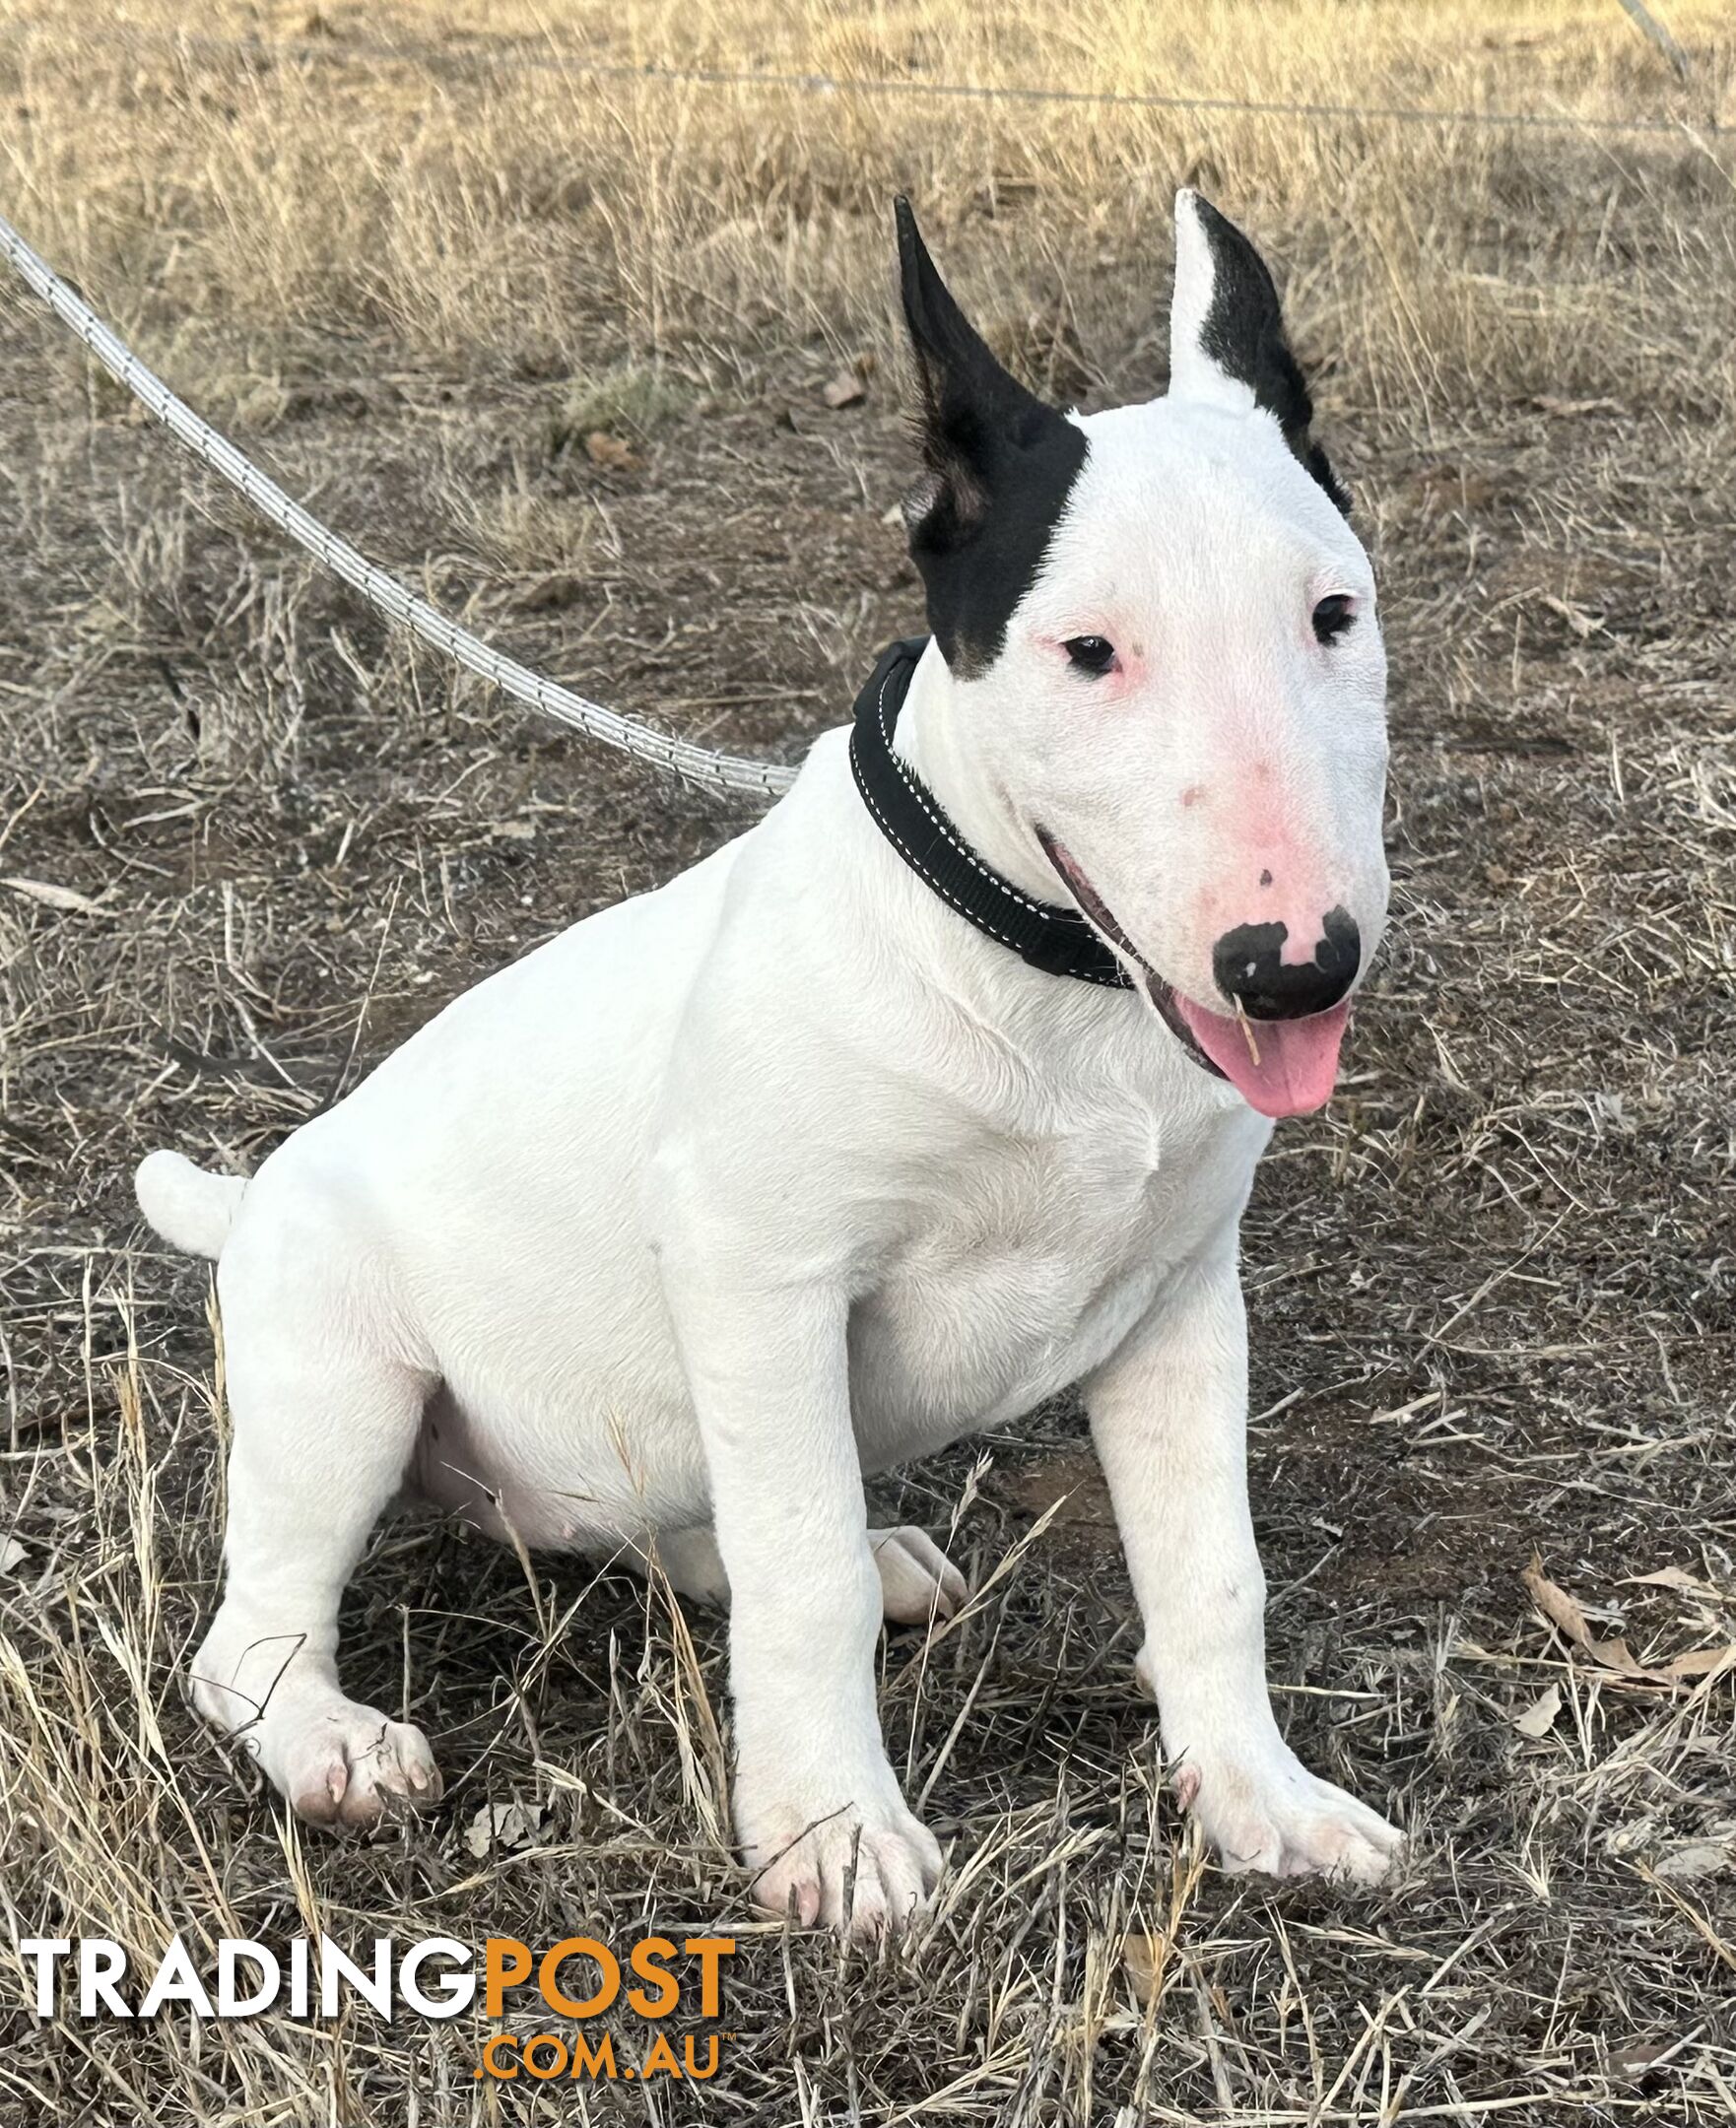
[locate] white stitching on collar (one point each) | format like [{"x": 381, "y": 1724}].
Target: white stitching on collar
[{"x": 942, "y": 827}]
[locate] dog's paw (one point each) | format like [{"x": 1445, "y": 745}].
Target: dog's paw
[
  {"x": 1267, "y": 1813},
  {"x": 864, "y": 1871},
  {"x": 918, "y": 1581},
  {"x": 344, "y": 1764}
]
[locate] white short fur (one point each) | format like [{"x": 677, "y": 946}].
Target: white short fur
[
  {"x": 664, "y": 1235},
  {"x": 186, "y": 1206}
]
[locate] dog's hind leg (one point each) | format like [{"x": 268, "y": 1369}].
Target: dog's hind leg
[
  {"x": 918, "y": 1581},
  {"x": 687, "y": 1560},
  {"x": 325, "y": 1416}
]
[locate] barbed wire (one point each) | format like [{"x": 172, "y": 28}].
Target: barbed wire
[{"x": 803, "y": 82}]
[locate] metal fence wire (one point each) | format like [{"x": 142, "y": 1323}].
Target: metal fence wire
[{"x": 269, "y": 52}]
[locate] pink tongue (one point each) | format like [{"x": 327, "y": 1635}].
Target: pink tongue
[{"x": 1298, "y": 1058}]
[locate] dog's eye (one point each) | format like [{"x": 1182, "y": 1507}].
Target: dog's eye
[
  {"x": 1092, "y": 654},
  {"x": 1333, "y": 616}
]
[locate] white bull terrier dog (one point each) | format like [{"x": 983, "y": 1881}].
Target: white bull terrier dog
[{"x": 939, "y": 1090}]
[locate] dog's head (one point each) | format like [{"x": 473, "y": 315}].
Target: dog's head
[{"x": 1165, "y": 664}]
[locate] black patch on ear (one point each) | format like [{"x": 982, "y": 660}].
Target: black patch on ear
[
  {"x": 999, "y": 464},
  {"x": 1244, "y": 334}
]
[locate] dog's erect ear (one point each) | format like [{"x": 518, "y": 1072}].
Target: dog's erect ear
[
  {"x": 997, "y": 467},
  {"x": 1227, "y": 332}
]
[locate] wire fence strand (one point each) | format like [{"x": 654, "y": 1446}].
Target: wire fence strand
[{"x": 336, "y": 50}]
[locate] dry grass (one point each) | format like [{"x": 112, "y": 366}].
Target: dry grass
[{"x": 1495, "y": 1284}]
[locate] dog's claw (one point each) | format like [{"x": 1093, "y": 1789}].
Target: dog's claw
[
  {"x": 866, "y": 1873},
  {"x": 349, "y": 1765}
]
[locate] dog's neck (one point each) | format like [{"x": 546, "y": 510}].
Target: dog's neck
[{"x": 934, "y": 739}]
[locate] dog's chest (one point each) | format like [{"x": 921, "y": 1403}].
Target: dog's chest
[{"x": 1029, "y": 1262}]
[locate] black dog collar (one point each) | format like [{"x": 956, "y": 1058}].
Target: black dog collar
[{"x": 1058, "y": 941}]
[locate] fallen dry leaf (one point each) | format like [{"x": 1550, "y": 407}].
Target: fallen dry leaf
[
  {"x": 12, "y": 1554},
  {"x": 1144, "y": 1957},
  {"x": 1569, "y": 1620},
  {"x": 52, "y": 896},
  {"x": 1635, "y": 2059},
  {"x": 1539, "y": 1717},
  {"x": 604, "y": 450},
  {"x": 1676, "y": 1577},
  {"x": 1696, "y": 1858},
  {"x": 504, "y": 1824},
  {"x": 1565, "y": 408},
  {"x": 1701, "y": 1662},
  {"x": 1581, "y": 623},
  {"x": 1452, "y": 483},
  {"x": 845, "y": 389}
]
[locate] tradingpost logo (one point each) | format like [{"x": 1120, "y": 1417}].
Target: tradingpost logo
[{"x": 663, "y": 1998}]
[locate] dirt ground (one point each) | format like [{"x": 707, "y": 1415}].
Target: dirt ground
[{"x": 248, "y": 841}]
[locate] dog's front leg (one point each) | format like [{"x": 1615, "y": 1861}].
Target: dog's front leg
[
  {"x": 818, "y": 1808},
  {"x": 1168, "y": 1415}
]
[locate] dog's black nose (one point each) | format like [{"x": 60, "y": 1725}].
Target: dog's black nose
[{"x": 1252, "y": 973}]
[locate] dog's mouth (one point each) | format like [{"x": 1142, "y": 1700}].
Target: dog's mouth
[
  {"x": 1097, "y": 913},
  {"x": 1280, "y": 1067}
]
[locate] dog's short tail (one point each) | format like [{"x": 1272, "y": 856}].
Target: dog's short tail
[{"x": 193, "y": 1210}]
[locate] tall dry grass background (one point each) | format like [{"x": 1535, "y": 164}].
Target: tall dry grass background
[{"x": 554, "y": 343}]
